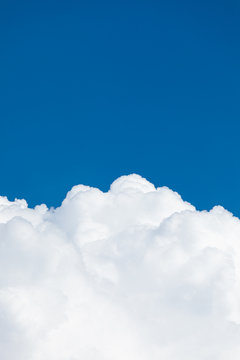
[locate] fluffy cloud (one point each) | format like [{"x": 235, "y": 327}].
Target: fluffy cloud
[{"x": 135, "y": 273}]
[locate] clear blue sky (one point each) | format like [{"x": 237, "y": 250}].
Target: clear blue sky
[{"x": 91, "y": 90}]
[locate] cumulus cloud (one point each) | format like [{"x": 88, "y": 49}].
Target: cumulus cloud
[{"x": 135, "y": 273}]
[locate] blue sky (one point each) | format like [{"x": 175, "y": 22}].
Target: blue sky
[{"x": 94, "y": 90}]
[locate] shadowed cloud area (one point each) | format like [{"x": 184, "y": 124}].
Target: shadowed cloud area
[{"x": 134, "y": 273}]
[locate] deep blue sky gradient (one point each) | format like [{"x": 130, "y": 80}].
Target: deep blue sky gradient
[{"x": 91, "y": 90}]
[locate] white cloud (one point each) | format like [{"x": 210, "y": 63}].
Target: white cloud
[{"x": 135, "y": 273}]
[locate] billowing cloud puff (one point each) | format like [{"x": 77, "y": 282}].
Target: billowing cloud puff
[{"x": 132, "y": 274}]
